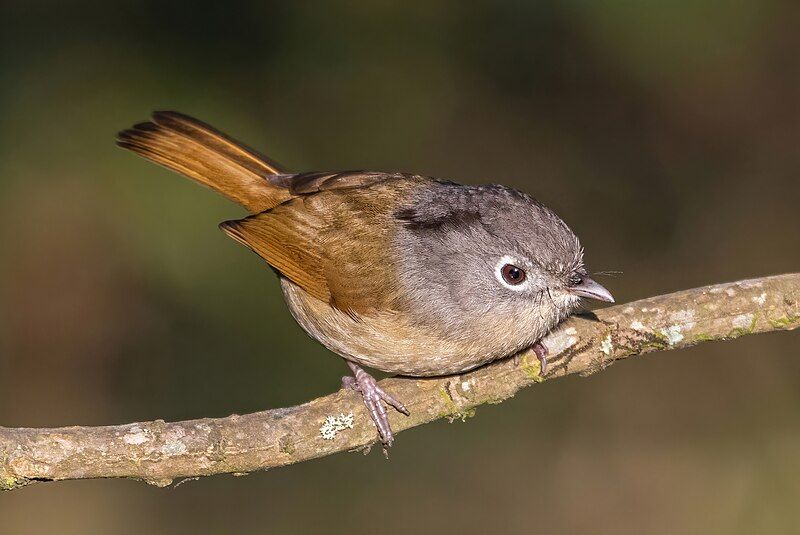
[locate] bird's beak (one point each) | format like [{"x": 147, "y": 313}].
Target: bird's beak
[{"x": 590, "y": 288}]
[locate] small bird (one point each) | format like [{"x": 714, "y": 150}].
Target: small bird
[{"x": 398, "y": 272}]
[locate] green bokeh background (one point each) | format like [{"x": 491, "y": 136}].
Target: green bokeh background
[{"x": 665, "y": 133}]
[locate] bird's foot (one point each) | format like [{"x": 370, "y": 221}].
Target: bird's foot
[
  {"x": 541, "y": 354},
  {"x": 373, "y": 396}
]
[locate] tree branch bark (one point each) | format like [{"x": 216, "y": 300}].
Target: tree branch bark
[{"x": 159, "y": 452}]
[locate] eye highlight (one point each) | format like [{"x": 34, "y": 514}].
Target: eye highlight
[{"x": 512, "y": 274}]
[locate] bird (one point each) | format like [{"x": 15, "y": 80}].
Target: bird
[{"x": 397, "y": 272}]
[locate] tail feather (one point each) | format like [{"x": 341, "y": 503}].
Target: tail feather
[{"x": 202, "y": 153}]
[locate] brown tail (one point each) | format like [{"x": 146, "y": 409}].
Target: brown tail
[{"x": 201, "y": 152}]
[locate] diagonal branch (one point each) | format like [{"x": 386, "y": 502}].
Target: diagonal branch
[{"x": 159, "y": 452}]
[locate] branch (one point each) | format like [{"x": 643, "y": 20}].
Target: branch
[{"x": 159, "y": 452}]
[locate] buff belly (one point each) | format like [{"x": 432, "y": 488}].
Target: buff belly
[{"x": 386, "y": 342}]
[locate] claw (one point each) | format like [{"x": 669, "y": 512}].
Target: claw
[
  {"x": 541, "y": 354},
  {"x": 374, "y": 397}
]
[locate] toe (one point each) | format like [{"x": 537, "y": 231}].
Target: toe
[
  {"x": 394, "y": 402},
  {"x": 541, "y": 353},
  {"x": 349, "y": 382},
  {"x": 381, "y": 418},
  {"x": 374, "y": 399}
]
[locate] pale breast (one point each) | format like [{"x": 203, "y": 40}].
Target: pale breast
[{"x": 385, "y": 341}]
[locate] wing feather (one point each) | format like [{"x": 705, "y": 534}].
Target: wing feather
[
  {"x": 286, "y": 238},
  {"x": 335, "y": 243}
]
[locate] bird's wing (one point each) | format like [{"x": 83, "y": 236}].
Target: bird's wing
[{"x": 334, "y": 239}]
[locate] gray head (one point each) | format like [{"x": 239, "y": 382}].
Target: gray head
[{"x": 490, "y": 266}]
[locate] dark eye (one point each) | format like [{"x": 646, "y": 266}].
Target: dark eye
[
  {"x": 512, "y": 274},
  {"x": 575, "y": 279}
]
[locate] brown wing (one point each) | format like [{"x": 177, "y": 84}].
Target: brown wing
[
  {"x": 306, "y": 183},
  {"x": 334, "y": 243},
  {"x": 286, "y": 238}
]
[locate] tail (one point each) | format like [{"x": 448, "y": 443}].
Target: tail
[{"x": 202, "y": 153}]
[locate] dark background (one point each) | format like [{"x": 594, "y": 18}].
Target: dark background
[{"x": 665, "y": 133}]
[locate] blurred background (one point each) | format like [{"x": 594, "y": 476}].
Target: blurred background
[{"x": 665, "y": 133}]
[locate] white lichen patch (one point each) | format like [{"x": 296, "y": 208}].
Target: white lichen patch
[
  {"x": 672, "y": 334},
  {"x": 560, "y": 340},
  {"x": 173, "y": 448},
  {"x": 730, "y": 292},
  {"x": 173, "y": 444},
  {"x": 637, "y": 325},
  {"x": 606, "y": 346},
  {"x": 761, "y": 299},
  {"x": 684, "y": 318},
  {"x": 743, "y": 321},
  {"x": 136, "y": 436},
  {"x": 334, "y": 424},
  {"x": 466, "y": 386}
]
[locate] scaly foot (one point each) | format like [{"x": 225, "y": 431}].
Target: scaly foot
[
  {"x": 541, "y": 354},
  {"x": 373, "y": 396}
]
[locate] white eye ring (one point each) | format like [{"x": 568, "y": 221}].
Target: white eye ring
[{"x": 498, "y": 274}]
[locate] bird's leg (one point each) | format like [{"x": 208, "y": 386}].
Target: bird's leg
[
  {"x": 373, "y": 395},
  {"x": 541, "y": 354}
]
